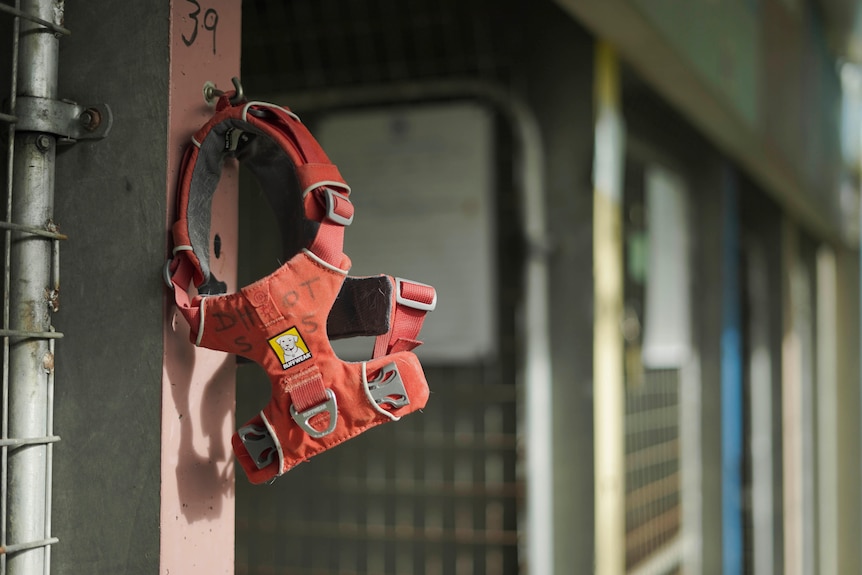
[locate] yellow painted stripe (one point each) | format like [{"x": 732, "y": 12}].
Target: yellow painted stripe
[{"x": 608, "y": 342}]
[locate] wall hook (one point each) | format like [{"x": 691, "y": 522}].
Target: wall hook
[{"x": 211, "y": 93}]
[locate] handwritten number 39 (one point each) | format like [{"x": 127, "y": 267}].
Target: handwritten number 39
[{"x": 210, "y": 21}]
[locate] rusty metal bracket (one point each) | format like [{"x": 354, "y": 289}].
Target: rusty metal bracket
[{"x": 63, "y": 118}]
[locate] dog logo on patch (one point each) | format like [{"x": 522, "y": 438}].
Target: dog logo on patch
[{"x": 289, "y": 348}]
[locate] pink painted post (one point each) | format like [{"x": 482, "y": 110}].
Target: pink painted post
[{"x": 198, "y": 395}]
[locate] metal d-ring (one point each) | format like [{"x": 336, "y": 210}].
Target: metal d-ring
[{"x": 329, "y": 406}]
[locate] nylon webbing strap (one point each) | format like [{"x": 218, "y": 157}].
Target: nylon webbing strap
[
  {"x": 288, "y": 148},
  {"x": 412, "y": 301},
  {"x": 306, "y": 388}
]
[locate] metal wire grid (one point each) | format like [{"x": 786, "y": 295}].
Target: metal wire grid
[
  {"x": 312, "y": 44},
  {"x": 8, "y": 444},
  {"x": 435, "y": 494},
  {"x": 653, "y": 504}
]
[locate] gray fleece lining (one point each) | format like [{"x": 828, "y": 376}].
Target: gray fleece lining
[
  {"x": 275, "y": 173},
  {"x": 363, "y": 305}
]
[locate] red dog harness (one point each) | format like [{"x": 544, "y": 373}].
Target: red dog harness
[{"x": 285, "y": 321}]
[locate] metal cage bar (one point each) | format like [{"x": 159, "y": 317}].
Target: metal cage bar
[{"x": 31, "y": 285}]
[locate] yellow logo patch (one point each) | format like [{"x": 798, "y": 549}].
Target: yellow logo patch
[{"x": 289, "y": 348}]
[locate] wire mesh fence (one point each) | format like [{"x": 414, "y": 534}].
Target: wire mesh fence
[
  {"x": 31, "y": 258},
  {"x": 435, "y": 494},
  {"x": 313, "y": 44},
  {"x": 653, "y": 505}
]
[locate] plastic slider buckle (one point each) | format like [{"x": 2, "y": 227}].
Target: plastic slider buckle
[
  {"x": 259, "y": 444},
  {"x": 415, "y": 304},
  {"x": 167, "y": 274},
  {"x": 388, "y": 388},
  {"x": 333, "y": 199},
  {"x": 302, "y": 418}
]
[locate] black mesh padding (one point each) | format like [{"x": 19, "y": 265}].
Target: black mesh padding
[{"x": 361, "y": 308}]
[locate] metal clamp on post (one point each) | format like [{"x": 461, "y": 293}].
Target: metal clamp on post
[{"x": 63, "y": 118}]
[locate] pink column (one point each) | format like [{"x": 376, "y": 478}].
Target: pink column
[{"x": 198, "y": 399}]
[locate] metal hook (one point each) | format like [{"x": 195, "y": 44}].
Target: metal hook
[{"x": 211, "y": 93}]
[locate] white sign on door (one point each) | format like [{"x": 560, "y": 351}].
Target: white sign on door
[{"x": 421, "y": 178}]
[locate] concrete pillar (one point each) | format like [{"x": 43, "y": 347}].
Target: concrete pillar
[{"x": 143, "y": 477}]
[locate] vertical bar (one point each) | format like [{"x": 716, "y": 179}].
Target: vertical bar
[
  {"x": 731, "y": 384},
  {"x": 760, "y": 419},
  {"x": 691, "y": 465},
  {"x": 805, "y": 325},
  {"x": 49, "y": 463},
  {"x": 538, "y": 369},
  {"x": 798, "y": 412},
  {"x": 4, "y": 417},
  {"x": 850, "y": 410},
  {"x": 791, "y": 357},
  {"x": 608, "y": 350},
  {"x": 855, "y": 520},
  {"x": 849, "y": 432},
  {"x": 31, "y": 258},
  {"x": 827, "y": 410}
]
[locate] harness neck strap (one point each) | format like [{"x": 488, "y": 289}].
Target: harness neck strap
[
  {"x": 311, "y": 203},
  {"x": 273, "y": 143}
]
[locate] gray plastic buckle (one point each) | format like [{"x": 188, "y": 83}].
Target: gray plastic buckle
[
  {"x": 388, "y": 387},
  {"x": 331, "y": 200},
  {"x": 420, "y": 305},
  {"x": 259, "y": 444},
  {"x": 329, "y": 406}
]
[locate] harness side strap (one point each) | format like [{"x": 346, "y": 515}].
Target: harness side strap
[
  {"x": 316, "y": 176},
  {"x": 412, "y": 301},
  {"x": 306, "y": 388},
  {"x": 180, "y": 273}
]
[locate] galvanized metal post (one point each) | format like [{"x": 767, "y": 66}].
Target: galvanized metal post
[{"x": 30, "y": 359}]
